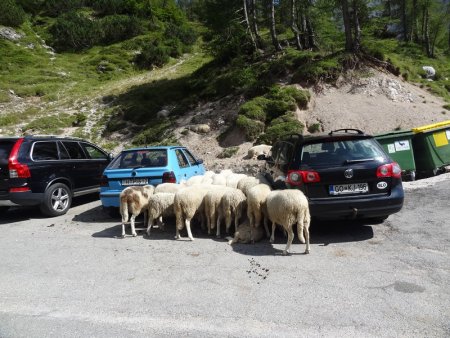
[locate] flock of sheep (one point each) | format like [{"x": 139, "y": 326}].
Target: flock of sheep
[{"x": 217, "y": 197}]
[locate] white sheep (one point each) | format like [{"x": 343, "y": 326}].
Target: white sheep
[
  {"x": 248, "y": 182},
  {"x": 287, "y": 207},
  {"x": 200, "y": 128},
  {"x": 256, "y": 199},
  {"x": 233, "y": 179},
  {"x": 159, "y": 205},
  {"x": 245, "y": 234},
  {"x": 169, "y": 187},
  {"x": 232, "y": 204},
  {"x": 197, "y": 179},
  {"x": 134, "y": 200},
  {"x": 219, "y": 179},
  {"x": 260, "y": 149},
  {"x": 187, "y": 203},
  {"x": 212, "y": 203}
]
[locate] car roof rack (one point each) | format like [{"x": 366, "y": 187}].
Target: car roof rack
[
  {"x": 346, "y": 130},
  {"x": 53, "y": 136}
]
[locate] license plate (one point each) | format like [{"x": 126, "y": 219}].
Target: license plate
[
  {"x": 135, "y": 181},
  {"x": 353, "y": 188}
]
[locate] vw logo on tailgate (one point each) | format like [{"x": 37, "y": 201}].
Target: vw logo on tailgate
[{"x": 348, "y": 173}]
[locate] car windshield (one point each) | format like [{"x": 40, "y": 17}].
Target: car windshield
[
  {"x": 140, "y": 159},
  {"x": 341, "y": 152}
]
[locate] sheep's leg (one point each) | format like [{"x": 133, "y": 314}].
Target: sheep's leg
[
  {"x": 149, "y": 226},
  {"x": 266, "y": 226},
  {"x": 133, "y": 229},
  {"x": 161, "y": 223},
  {"x": 306, "y": 231},
  {"x": 218, "y": 227},
  {"x": 290, "y": 239},
  {"x": 272, "y": 238},
  {"x": 188, "y": 227},
  {"x": 300, "y": 227},
  {"x": 227, "y": 217},
  {"x": 123, "y": 229},
  {"x": 145, "y": 217},
  {"x": 179, "y": 225}
]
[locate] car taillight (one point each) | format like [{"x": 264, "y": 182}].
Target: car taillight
[
  {"x": 104, "y": 181},
  {"x": 297, "y": 177},
  {"x": 389, "y": 170},
  {"x": 16, "y": 169},
  {"x": 20, "y": 189},
  {"x": 169, "y": 177}
]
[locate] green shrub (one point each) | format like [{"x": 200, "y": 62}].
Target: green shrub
[
  {"x": 281, "y": 126},
  {"x": 251, "y": 128},
  {"x": 255, "y": 109},
  {"x": 55, "y": 8},
  {"x": 152, "y": 55},
  {"x": 80, "y": 120},
  {"x": 50, "y": 124},
  {"x": 315, "y": 128},
  {"x": 446, "y": 106},
  {"x": 116, "y": 28},
  {"x": 75, "y": 32},
  {"x": 11, "y": 14},
  {"x": 4, "y": 96},
  {"x": 155, "y": 133},
  {"x": 228, "y": 152}
]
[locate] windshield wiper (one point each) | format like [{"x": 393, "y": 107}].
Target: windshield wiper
[{"x": 359, "y": 161}]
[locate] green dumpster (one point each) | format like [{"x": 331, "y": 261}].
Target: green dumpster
[
  {"x": 398, "y": 144},
  {"x": 431, "y": 144}
]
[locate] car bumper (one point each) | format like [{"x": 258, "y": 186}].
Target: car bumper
[
  {"x": 347, "y": 208},
  {"x": 21, "y": 199},
  {"x": 110, "y": 199}
]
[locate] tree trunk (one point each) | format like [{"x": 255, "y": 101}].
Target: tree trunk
[
  {"x": 311, "y": 34},
  {"x": 414, "y": 32},
  {"x": 294, "y": 27},
  {"x": 427, "y": 34},
  {"x": 249, "y": 29},
  {"x": 273, "y": 32},
  {"x": 404, "y": 20},
  {"x": 255, "y": 25},
  {"x": 303, "y": 31},
  {"x": 357, "y": 28},
  {"x": 347, "y": 26}
]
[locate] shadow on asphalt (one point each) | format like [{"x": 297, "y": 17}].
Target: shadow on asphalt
[
  {"x": 18, "y": 214},
  {"x": 321, "y": 233}
]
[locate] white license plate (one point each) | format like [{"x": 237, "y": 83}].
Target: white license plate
[
  {"x": 135, "y": 181},
  {"x": 353, "y": 188}
]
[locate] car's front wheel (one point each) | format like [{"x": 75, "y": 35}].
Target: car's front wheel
[{"x": 57, "y": 200}]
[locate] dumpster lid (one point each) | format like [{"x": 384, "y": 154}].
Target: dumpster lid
[
  {"x": 395, "y": 133},
  {"x": 429, "y": 127}
]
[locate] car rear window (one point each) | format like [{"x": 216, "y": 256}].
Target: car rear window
[
  {"x": 340, "y": 152},
  {"x": 45, "y": 151},
  {"x": 139, "y": 159}
]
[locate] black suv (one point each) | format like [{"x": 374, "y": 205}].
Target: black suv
[
  {"x": 48, "y": 171},
  {"x": 344, "y": 174}
]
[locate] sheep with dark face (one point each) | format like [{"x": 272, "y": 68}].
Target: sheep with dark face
[
  {"x": 287, "y": 207},
  {"x": 134, "y": 200}
]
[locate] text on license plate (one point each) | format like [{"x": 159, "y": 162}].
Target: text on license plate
[
  {"x": 353, "y": 188},
  {"x": 135, "y": 181}
]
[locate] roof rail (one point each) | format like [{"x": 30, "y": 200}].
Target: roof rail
[
  {"x": 346, "y": 130},
  {"x": 53, "y": 136}
]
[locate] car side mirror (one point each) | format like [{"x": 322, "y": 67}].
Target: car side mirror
[
  {"x": 199, "y": 161},
  {"x": 110, "y": 156}
]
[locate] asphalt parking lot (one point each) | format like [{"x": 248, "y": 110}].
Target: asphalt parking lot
[{"x": 71, "y": 276}]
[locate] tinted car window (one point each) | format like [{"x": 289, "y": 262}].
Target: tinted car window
[
  {"x": 45, "y": 151},
  {"x": 336, "y": 153},
  {"x": 74, "y": 150},
  {"x": 93, "y": 152},
  {"x": 182, "y": 160},
  {"x": 190, "y": 157},
  {"x": 140, "y": 158}
]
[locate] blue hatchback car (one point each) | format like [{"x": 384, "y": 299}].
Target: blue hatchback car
[{"x": 147, "y": 165}]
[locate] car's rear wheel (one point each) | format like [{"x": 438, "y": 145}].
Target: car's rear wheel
[{"x": 57, "y": 200}]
